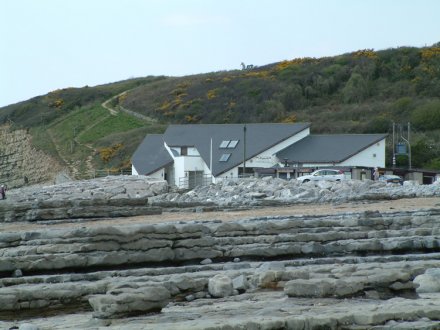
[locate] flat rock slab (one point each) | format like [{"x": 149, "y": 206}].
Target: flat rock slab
[
  {"x": 117, "y": 196},
  {"x": 348, "y": 270},
  {"x": 265, "y": 310},
  {"x": 125, "y": 303}
]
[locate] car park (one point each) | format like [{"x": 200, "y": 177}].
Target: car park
[
  {"x": 391, "y": 178},
  {"x": 323, "y": 175}
]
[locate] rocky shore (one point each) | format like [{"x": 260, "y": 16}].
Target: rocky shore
[
  {"x": 122, "y": 196},
  {"x": 345, "y": 270},
  {"x": 112, "y": 196}
]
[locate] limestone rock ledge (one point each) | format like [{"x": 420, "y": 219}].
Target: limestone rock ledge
[
  {"x": 112, "y": 196},
  {"x": 290, "y": 236},
  {"x": 129, "y": 302},
  {"x": 347, "y": 270}
]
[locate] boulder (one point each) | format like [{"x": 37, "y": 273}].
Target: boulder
[
  {"x": 17, "y": 273},
  {"x": 220, "y": 286},
  {"x": 274, "y": 265},
  {"x": 429, "y": 282},
  {"x": 129, "y": 302},
  {"x": 28, "y": 326},
  {"x": 320, "y": 288},
  {"x": 240, "y": 283},
  {"x": 206, "y": 261}
]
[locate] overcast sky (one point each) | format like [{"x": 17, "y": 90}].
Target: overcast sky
[{"x": 51, "y": 44}]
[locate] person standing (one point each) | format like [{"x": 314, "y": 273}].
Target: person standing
[
  {"x": 3, "y": 191},
  {"x": 376, "y": 174}
]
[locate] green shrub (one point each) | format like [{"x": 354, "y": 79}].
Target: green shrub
[{"x": 427, "y": 116}]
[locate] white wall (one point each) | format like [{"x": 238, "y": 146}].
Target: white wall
[
  {"x": 158, "y": 174},
  {"x": 262, "y": 160},
  {"x": 232, "y": 173},
  {"x": 193, "y": 152},
  {"x": 184, "y": 164},
  {"x": 133, "y": 170},
  {"x": 373, "y": 156},
  {"x": 179, "y": 169}
]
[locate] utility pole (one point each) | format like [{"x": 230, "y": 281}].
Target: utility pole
[
  {"x": 244, "y": 150},
  {"x": 408, "y": 142},
  {"x": 409, "y": 145},
  {"x": 394, "y": 147},
  {"x": 210, "y": 160}
]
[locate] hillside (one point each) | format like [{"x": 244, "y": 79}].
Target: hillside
[
  {"x": 73, "y": 127},
  {"x": 359, "y": 92}
]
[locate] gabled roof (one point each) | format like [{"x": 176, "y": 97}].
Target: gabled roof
[
  {"x": 151, "y": 155},
  {"x": 328, "y": 148},
  {"x": 259, "y": 137}
]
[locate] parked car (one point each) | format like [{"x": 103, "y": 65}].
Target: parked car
[
  {"x": 390, "y": 178},
  {"x": 324, "y": 174}
]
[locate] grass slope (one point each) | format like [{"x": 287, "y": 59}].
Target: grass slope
[
  {"x": 72, "y": 126},
  {"x": 359, "y": 92}
]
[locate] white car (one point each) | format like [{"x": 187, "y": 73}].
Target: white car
[{"x": 319, "y": 175}]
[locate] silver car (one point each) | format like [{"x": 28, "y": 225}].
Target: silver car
[{"x": 324, "y": 174}]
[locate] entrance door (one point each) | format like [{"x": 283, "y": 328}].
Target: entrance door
[{"x": 195, "y": 178}]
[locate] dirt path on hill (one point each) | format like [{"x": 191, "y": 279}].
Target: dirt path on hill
[
  {"x": 114, "y": 112},
  {"x": 307, "y": 209},
  {"x": 106, "y": 103}
]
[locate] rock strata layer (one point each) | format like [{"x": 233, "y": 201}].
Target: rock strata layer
[
  {"x": 352, "y": 270},
  {"x": 112, "y": 196},
  {"x": 21, "y": 163},
  {"x": 334, "y": 271},
  {"x": 120, "y": 196}
]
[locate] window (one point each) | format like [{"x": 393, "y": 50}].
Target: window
[
  {"x": 184, "y": 151},
  {"x": 224, "y": 157},
  {"x": 230, "y": 144}
]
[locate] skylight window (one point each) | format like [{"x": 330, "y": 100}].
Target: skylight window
[
  {"x": 228, "y": 144},
  {"x": 232, "y": 144},
  {"x": 224, "y": 157}
]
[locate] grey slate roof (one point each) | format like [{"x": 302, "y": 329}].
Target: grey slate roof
[
  {"x": 151, "y": 155},
  {"x": 259, "y": 137},
  {"x": 328, "y": 148}
]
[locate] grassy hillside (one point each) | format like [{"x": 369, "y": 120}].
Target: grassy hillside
[
  {"x": 360, "y": 92},
  {"x": 72, "y": 126}
]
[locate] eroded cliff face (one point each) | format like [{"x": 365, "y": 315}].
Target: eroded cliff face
[{"x": 20, "y": 163}]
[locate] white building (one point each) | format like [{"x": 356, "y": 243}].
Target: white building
[{"x": 187, "y": 155}]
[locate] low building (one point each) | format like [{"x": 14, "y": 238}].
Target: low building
[{"x": 189, "y": 155}]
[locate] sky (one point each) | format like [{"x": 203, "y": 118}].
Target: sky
[{"x": 52, "y": 44}]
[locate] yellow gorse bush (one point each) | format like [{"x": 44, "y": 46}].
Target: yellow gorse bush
[
  {"x": 429, "y": 53},
  {"x": 211, "y": 94},
  {"x": 107, "y": 154},
  {"x": 296, "y": 61},
  {"x": 368, "y": 53}
]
